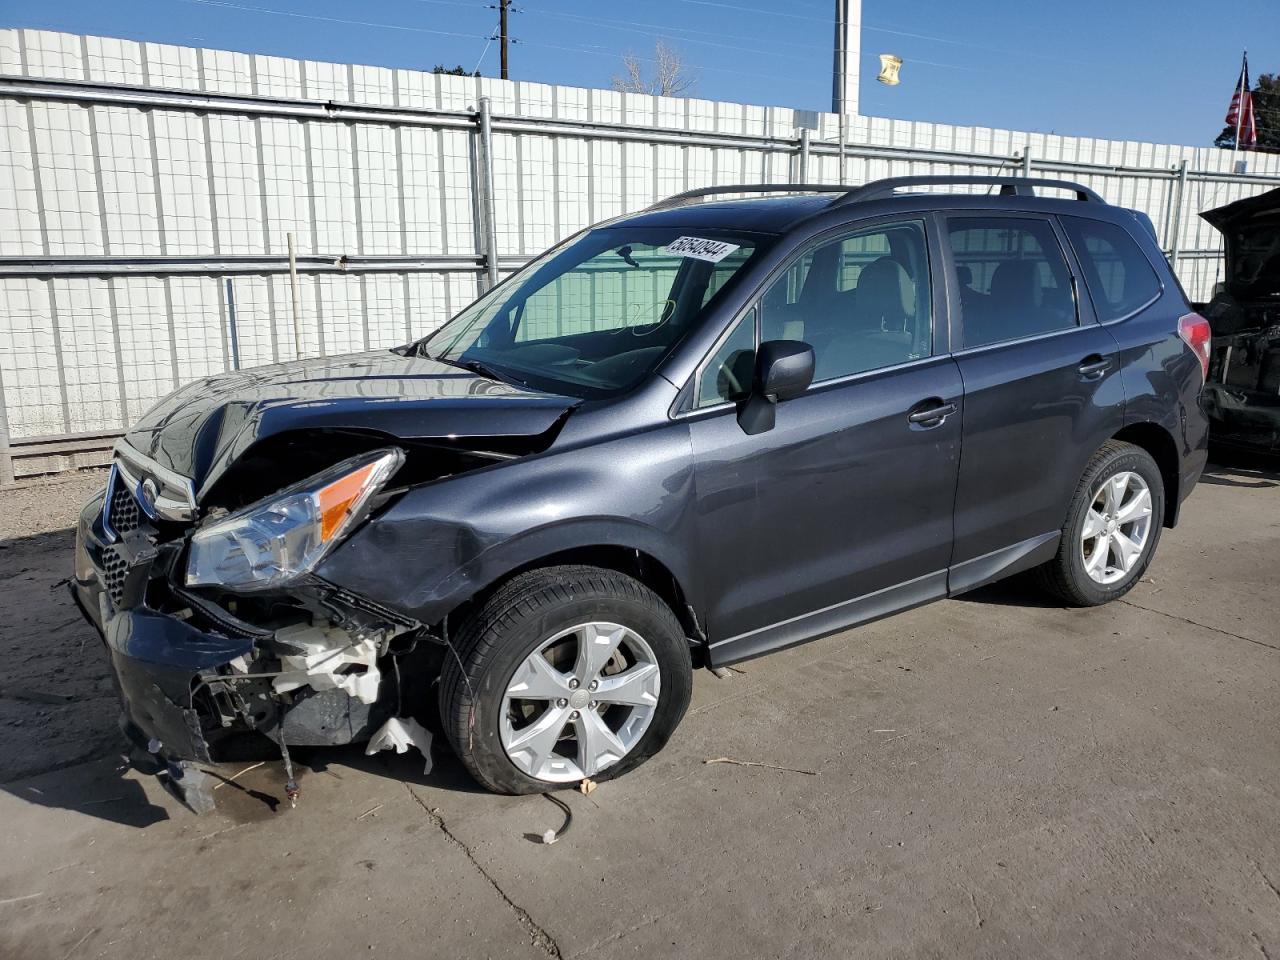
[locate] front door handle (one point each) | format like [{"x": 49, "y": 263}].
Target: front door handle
[
  {"x": 933, "y": 415},
  {"x": 1093, "y": 366}
]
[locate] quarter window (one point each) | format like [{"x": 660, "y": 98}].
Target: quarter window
[
  {"x": 727, "y": 375},
  {"x": 1012, "y": 277},
  {"x": 1119, "y": 276},
  {"x": 862, "y": 301}
]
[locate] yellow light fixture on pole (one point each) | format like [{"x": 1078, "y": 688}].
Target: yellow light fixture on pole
[{"x": 889, "y": 67}]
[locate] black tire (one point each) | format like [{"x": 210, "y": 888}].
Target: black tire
[
  {"x": 523, "y": 613},
  {"x": 1065, "y": 575}
]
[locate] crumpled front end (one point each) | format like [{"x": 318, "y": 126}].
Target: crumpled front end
[{"x": 306, "y": 664}]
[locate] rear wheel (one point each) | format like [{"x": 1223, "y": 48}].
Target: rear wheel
[
  {"x": 564, "y": 673},
  {"x": 1113, "y": 527}
]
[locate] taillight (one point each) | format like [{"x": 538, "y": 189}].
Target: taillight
[{"x": 1195, "y": 332}]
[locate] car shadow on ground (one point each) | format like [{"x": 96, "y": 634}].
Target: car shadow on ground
[
  {"x": 1021, "y": 590},
  {"x": 1238, "y": 469}
]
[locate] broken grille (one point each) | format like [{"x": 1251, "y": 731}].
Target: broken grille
[
  {"x": 123, "y": 515},
  {"x": 113, "y": 573}
]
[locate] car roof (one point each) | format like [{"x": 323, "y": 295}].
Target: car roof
[{"x": 767, "y": 214}]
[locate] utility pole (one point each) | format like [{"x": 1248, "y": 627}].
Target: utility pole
[
  {"x": 502, "y": 31},
  {"x": 844, "y": 73},
  {"x": 846, "y": 54}
]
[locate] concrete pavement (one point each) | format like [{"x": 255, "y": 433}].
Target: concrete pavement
[{"x": 990, "y": 776}]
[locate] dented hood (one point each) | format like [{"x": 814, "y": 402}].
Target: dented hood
[{"x": 202, "y": 428}]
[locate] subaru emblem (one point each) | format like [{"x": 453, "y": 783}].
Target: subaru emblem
[{"x": 146, "y": 496}]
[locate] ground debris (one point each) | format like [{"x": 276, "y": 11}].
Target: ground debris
[
  {"x": 35, "y": 696},
  {"x": 232, "y": 779},
  {"x": 551, "y": 836},
  {"x": 758, "y": 763},
  {"x": 29, "y": 896}
]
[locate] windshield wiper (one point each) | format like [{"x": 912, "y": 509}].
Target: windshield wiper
[{"x": 480, "y": 368}]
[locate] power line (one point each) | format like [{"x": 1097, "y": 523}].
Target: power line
[
  {"x": 887, "y": 30},
  {"x": 609, "y": 23},
  {"x": 316, "y": 16},
  {"x": 613, "y": 55},
  {"x": 966, "y": 43},
  {"x": 660, "y": 32},
  {"x": 772, "y": 13}
]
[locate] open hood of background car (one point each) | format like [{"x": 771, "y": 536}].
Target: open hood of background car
[
  {"x": 200, "y": 430},
  {"x": 1251, "y": 231}
]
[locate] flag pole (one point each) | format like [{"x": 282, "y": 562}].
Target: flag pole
[{"x": 1235, "y": 149}]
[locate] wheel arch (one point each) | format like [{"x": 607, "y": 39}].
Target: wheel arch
[
  {"x": 630, "y": 561},
  {"x": 1159, "y": 443}
]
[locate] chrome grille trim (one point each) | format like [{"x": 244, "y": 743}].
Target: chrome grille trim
[{"x": 176, "y": 494}]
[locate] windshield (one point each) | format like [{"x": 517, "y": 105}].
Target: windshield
[{"x": 594, "y": 317}]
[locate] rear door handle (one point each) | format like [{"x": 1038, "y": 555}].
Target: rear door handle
[
  {"x": 1093, "y": 366},
  {"x": 934, "y": 415}
]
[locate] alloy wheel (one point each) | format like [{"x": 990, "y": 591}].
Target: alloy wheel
[
  {"x": 1116, "y": 528},
  {"x": 580, "y": 702}
]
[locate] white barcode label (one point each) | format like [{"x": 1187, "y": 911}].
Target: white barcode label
[{"x": 713, "y": 251}]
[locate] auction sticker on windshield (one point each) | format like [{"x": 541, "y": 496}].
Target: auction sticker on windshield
[{"x": 713, "y": 251}]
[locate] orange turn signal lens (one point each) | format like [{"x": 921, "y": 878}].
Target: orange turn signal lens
[{"x": 337, "y": 500}]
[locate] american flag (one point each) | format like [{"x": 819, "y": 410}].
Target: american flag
[{"x": 1240, "y": 114}]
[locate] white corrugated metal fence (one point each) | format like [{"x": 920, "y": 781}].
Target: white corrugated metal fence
[{"x": 147, "y": 192}]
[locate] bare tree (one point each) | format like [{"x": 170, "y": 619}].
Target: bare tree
[{"x": 671, "y": 76}]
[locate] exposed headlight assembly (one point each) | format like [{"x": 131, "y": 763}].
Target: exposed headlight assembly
[{"x": 284, "y": 536}]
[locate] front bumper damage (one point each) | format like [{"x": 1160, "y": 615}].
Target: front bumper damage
[{"x": 193, "y": 677}]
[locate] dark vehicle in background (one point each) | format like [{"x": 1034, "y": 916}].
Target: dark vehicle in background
[
  {"x": 1243, "y": 393},
  {"x": 689, "y": 436}
]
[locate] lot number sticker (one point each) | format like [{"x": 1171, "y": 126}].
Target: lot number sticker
[{"x": 712, "y": 251}]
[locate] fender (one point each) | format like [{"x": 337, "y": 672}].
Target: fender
[
  {"x": 443, "y": 542},
  {"x": 528, "y": 549}
]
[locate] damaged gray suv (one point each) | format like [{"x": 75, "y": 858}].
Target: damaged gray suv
[{"x": 682, "y": 438}]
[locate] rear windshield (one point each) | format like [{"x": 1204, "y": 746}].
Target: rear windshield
[{"x": 594, "y": 317}]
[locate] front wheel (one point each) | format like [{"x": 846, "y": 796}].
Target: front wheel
[
  {"x": 564, "y": 673},
  {"x": 1113, "y": 527}
]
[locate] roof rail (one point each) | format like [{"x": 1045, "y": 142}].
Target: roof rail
[
  {"x": 881, "y": 189},
  {"x": 680, "y": 199},
  {"x": 1009, "y": 186}
]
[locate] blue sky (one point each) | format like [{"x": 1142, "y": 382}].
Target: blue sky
[{"x": 1157, "y": 70}]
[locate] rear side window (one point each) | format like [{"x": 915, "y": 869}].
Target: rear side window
[
  {"x": 1120, "y": 279},
  {"x": 1012, "y": 277}
]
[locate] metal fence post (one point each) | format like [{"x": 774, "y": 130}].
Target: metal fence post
[
  {"x": 802, "y": 175},
  {"x": 1026, "y": 160},
  {"x": 295, "y": 296},
  {"x": 1175, "y": 242},
  {"x": 6, "y": 454},
  {"x": 489, "y": 227},
  {"x": 231, "y": 325}
]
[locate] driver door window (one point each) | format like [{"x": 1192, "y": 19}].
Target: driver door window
[{"x": 861, "y": 301}]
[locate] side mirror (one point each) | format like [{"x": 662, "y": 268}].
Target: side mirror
[{"x": 784, "y": 370}]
